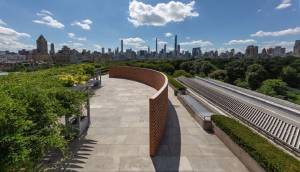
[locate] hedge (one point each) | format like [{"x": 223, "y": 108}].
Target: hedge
[
  {"x": 271, "y": 158},
  {"x": 175, "y": 83}
]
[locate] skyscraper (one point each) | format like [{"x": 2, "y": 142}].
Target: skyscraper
[
  {"x": 178, "y": 49},
  {"x": 297, "y": 48},
  {"x": 264, "y": 53},
  {"x": 175, "y": 46},
  {"x": 103, "y": 50},
  {"x": 156, "y": 50},
  {"x": 165, "y": 49},
  {"x": 42, "y": 45},
  {"x": 122, "y": 46},
  {"x": 279, "y": 51},
  {"x": 196, "y": 52},
  {"x": 52, "y": 50},
  {"x": 251, "y": 51}
]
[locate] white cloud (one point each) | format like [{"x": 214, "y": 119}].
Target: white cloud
[
  {"x": 84, "y": 24},
  {"x": 10, "y": 39},
  {"x": 2, "y": 22},
  {"x": 46, "y": 18},
  {"x": 290, "y": 31},
  {"x": 97, "y": 46},
  {"x": 141, "y": 14},
  {"x": 284, "y": 4},
  {"x": 162, "y": 42},
  {"x": 44, "y": 12},
  {"x": 239, "y": 42},
  {"x": 73, "y": 36},
  {"x": 200, "y": 43},
  {"x": 168, "y": 34},
  {"x": 135, "y": 43},
  {"x": 286, "y": 44}
]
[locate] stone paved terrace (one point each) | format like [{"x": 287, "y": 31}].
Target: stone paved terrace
[{"x": 118, "y": 139}]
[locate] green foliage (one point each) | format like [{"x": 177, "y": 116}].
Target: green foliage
[
  {"x": 255, "y": 75},
  {"x": 235, "y": 70},
  {"x": 203, "y": 67},
  {"x": 188, "y": 66},
  {"x": 167, "y": 68},
  {"x": 31, "y": 105},
  {"x": 241, "y": 83},
  {"x": 175, "y": 83},
  {"x": 219, "y": 75},
  {"x": 291, "y": 77},
  {"x": 267, "y": 155},
  {"x": 275, "y": 88},
  {"x": 179, "y": 73},
  {"x": 296, "y": 65}
]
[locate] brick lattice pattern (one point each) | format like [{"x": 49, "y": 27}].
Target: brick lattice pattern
[{"x": 158, "y": 103}]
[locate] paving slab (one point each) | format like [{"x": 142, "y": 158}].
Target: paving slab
[{"x": 118, "y": 138}]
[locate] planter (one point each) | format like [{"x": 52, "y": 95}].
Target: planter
[
  {"x": 205, "y": 123},
  {"x": 243, "y": 156}
]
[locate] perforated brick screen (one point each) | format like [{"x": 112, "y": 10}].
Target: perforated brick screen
[{"x": 158, "y": 103}]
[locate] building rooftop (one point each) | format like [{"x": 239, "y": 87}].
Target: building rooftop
[{"x": 118, "y": 138}]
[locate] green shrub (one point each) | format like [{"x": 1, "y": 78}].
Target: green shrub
[
  {"x": 175, "y": 83},
  {"x": 271, "y": 158},
  {"x": 179, "y": 73},
  {"x": 255, "y": 75},
  {"x": 291, "y": 77},
  {"x": 275, "y": 88},
  {"x": 219, "y": 75},
  {"x": 241, "y": 83}
]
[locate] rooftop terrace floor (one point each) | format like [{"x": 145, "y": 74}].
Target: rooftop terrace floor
[{"x": 118, "y": 138}]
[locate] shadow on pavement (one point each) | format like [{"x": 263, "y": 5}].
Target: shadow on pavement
[
  {"x": 168, "y": 154},
  {"x": 79, "y": 151}
]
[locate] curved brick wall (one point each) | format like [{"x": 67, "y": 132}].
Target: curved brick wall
[{"x": 158, "y": 103}]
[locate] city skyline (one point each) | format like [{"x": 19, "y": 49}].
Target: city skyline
[{"x": 267, "y": 24}]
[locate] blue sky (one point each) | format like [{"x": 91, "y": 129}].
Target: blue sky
[{"x": 92, "y": 24}]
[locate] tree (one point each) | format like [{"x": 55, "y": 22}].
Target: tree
[
  {"x": 290, "y": 76},
  {"x": 274, "y": 87},
  {"x": 219, "y": 75},
  {"x": 296, "y": 65},
  {"x": 255, "y": 75},
  {"x": 167, "y": 67},
  {"x": 235, "y": 70},
  {"x": 187, "y": 66},
  {"x": 204, "y": 67}
]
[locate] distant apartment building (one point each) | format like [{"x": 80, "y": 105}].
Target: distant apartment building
[
  {"x": 264, "y": 53},
  {"x": 40, "y": 54},
  {"x": 175, "y": 46},
  {"x": 297, "y": 48},
  {"x": 12, "y": 58},
  {"x": 52, "y": 50},
  {"x": 196, "y": 52},
  {"x": 41, "y": 45},
  {"x": 251, "y": 51},
  {"x": 278, "y": 51}
]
